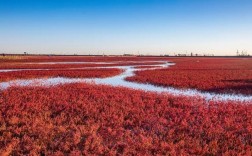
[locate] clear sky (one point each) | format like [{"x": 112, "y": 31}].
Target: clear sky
[{"x": 126, "y": 26}]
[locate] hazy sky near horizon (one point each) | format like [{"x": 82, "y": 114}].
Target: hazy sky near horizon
[{"x": 218, "y": 27}]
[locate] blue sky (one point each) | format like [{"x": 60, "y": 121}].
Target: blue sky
[{"x": 218, "y": 27}]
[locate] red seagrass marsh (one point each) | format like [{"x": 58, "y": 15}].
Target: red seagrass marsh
[{"x": 83, "y": 105}]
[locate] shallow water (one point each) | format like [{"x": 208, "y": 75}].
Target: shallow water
[{"x": 119, "y": 80}]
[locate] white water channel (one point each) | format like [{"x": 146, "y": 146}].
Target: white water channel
[{"x": 119, "y": 80}]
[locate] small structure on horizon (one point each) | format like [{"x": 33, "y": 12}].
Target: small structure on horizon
[{"x": 128, "y": 55}]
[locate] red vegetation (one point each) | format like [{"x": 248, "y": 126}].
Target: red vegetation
[
  {"x": 76, "y": 73},
  {"x": 79, "y": 59},
  {"x": 220, "y": 75},
  {"x": 142, "y": 67},
  {"x": 82, "y": 119},
  {"x": 47, "y": 66},
  {"x": 36, "y": 65}
]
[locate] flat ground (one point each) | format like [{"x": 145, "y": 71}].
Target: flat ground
[{"x": 88, "y": 118}]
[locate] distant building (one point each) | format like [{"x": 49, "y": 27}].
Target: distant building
[
  {"x": 128, "y": 55},
  {"x": 181, "y": 54}
]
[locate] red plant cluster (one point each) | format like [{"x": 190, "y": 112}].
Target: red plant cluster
[
  {"x": 220, "y": 75},
  {"x": 146, "y": 66},
  {"x": 84, "y": 119},
  {"x": 47, "y": 66},
  {"x": 66, "y": 68},
  {"x": 34, "y": 65},
  {"x": 80, "y": 59},
  {"x": 77, "y": 73}
]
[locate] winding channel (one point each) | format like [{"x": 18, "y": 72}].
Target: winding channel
[{"x": 119, "y": 80}]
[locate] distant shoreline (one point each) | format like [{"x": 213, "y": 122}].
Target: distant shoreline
[{"x": 3, "y": 55}]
